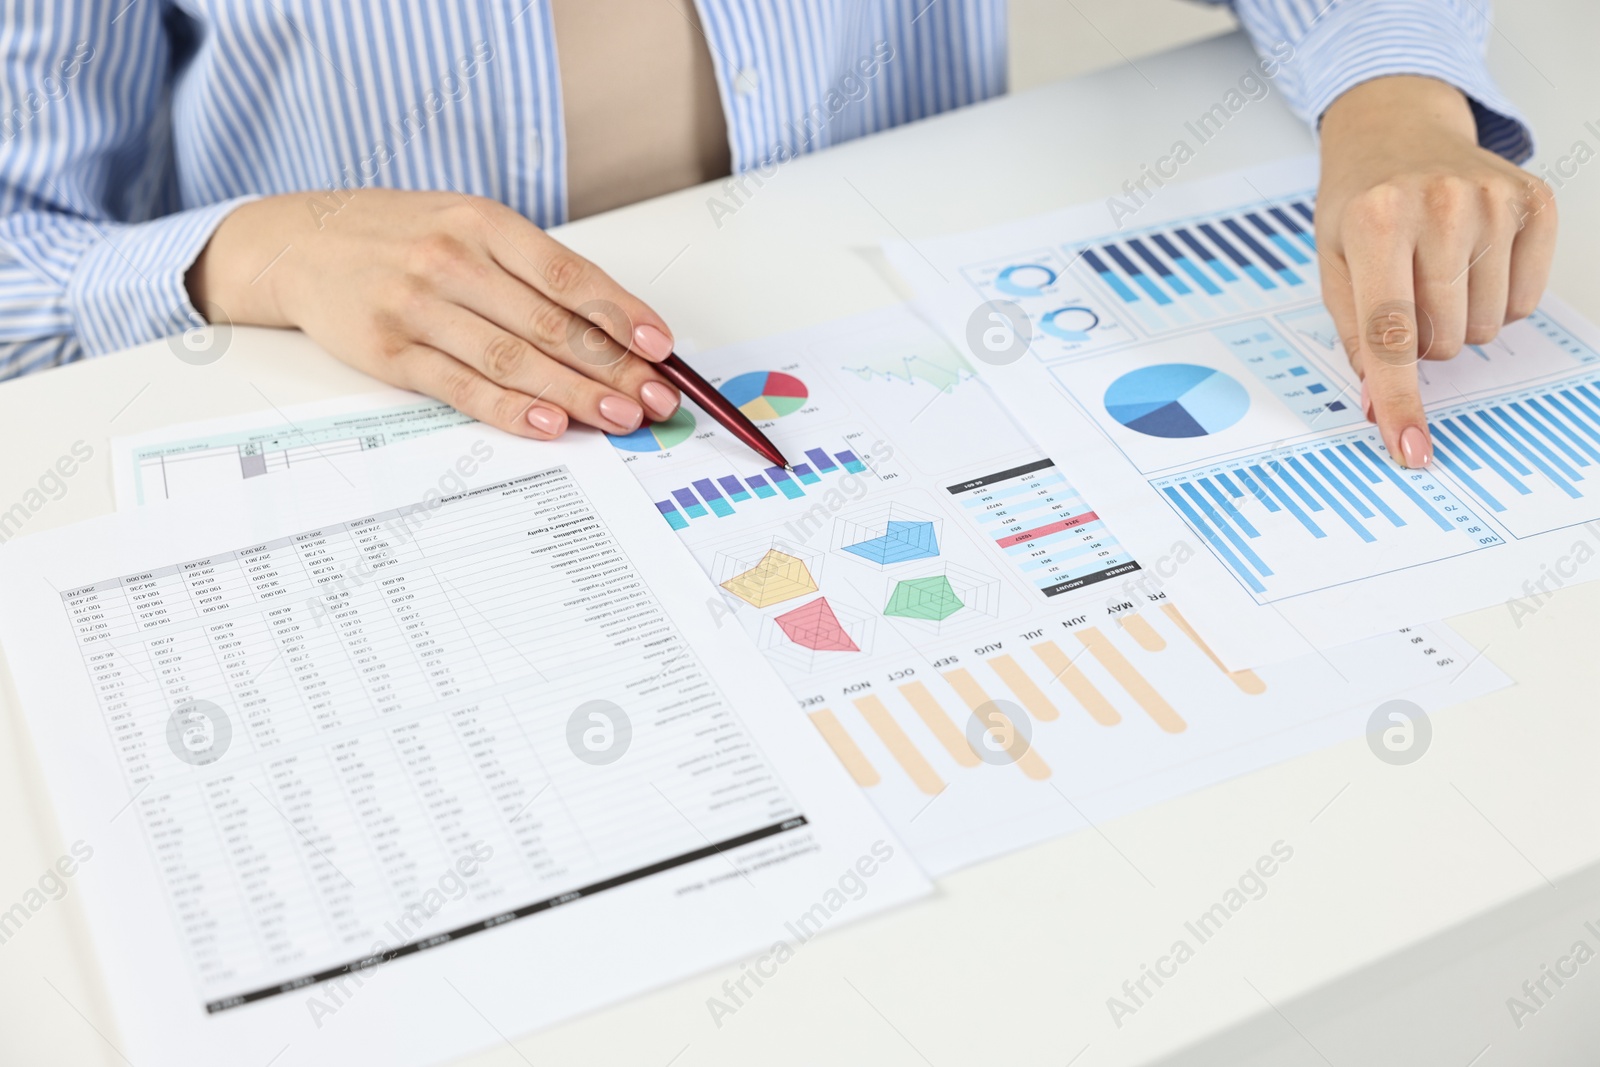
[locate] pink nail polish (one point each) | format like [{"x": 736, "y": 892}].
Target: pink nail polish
[
  {"x": 546, "y": 420},
  {"x": 621, "y": 411},
  {"x": 651, "y": 342},
  {"x": 661, "y": 400},
  {"x": 1366, "y": 400},
  {"x": 1414, "y": 447}
]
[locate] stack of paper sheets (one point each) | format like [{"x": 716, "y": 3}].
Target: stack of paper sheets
[{"x": 360, "y": 694}]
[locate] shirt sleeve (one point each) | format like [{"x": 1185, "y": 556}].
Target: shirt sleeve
[
  {"x": 92, "y": 255},
  {"x": 1334, "y": 45}
]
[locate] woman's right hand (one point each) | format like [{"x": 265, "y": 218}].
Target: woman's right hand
[{"x": 455, "y": 296}]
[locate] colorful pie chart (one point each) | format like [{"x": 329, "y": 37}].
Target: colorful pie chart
[
  {"x": 657, "y": 436},
  {"x": 1176, "y": 400},
  {"x": 764, "y": 395}
]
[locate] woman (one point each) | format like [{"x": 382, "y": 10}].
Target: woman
[{"x": 377, "y": 173}]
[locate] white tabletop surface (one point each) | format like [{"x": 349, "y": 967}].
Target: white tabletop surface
[{"x": 1419, "y": 898}]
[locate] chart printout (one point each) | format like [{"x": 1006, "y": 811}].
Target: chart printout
[
  {"x": 463, "y": 737},
  {"x": 926, "y": 573},
  {"x": 1186, "y": 363},
  {"x": 220, "y": 453}
]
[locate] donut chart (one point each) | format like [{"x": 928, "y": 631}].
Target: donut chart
[
  {"x": 1176, "y": 400},
  {"x": 764, "y": 395},
  {"x": 1070, "y": 323},
  {"x": 1025, "y": 279}
]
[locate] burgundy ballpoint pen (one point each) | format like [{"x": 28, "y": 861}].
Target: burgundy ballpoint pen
[{"x": 718, "y": 407}]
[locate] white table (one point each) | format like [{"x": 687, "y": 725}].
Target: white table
[{"x": 1418, "y": 899}]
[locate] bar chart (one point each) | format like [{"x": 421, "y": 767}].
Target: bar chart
[
  {"x": 1315, "y": 515},
  {"x": 976, "y": 756},
  {"x": 1043, "y": 525},
  {"x": 1179, "y": 276},
  {"x": 1529, "y": 457},
  {"x": 717, "y": 496},
  {"x": 1094, "y": 676}
]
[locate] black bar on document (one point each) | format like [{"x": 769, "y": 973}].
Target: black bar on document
[
  {"x": 1001, "y": 476},
  {"x": 412, "y": 947},
  {"x": 1089, "y": 579}
]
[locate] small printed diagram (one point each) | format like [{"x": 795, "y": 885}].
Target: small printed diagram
[
  {"x": 783, "y": 582},
  {"x": 888, "y": 535},
  {"x": 918, "y": 584},
  {"x": 766, "y": 395},
  {"x": 816, "y": 634},
  {"x": 1315, "y": 325},
  {"x": 931, "y": 596},
  {"x": 930, "y": 361},
  {"x": 762, "y": 578},
  {"x": 1067, "y": 319}
]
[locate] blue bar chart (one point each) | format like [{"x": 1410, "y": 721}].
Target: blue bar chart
[
  {"x": 1182, "y": 275},
  {"x": 1528, "y": 457},
  {"x": 1051, "y": 535},
  {"x": 1313, "y": 516},
  {"x": 717, "y": 496}
]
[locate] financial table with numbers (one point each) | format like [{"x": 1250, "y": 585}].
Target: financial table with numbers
[
  {"x": 1039, "y": 520},
  {"x": 316, "y": 730}
]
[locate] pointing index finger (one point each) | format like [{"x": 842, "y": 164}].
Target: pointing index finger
[{"x": 1393, "y": 334}]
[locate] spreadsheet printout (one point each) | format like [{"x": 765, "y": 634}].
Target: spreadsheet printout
[
  {"x": 446, "y": 732},
  {"x": 220, "y": 453},
  {"x": 1181, "y": 355}
]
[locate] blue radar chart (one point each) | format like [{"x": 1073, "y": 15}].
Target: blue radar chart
[
  {"x": 1176, "y": 400},
  {"x": 1025, "y": 279}
]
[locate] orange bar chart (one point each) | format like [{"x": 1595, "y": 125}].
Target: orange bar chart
[
  {"x": 1063, "y": 670},
  {"x": 1023, "y": 755},
  {"x": 1041, "y": 702},
  {"x": 1127, "y": 675},
  {"x": 900, "y": 746},
  {"x": 1027, "y": 692},
  {"x": 1138, "y": 627},
  {"x": 855, "y": 761},
  {"x": 938, "y": 721},
  {"x": 1247, "y": 681}
]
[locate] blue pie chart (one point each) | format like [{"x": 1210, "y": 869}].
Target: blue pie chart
[{"x": 1176, "y": 400}]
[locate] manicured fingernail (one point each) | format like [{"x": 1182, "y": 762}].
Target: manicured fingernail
[
  {"x": 620, "y": 411},
  {"x": 651, "y": 342},
  {"x": 1414, "y": 447},
  {"x": 1366, "y": 400},
  {"x": 661, "y": 400},
  {"x": 547, "y": 420}
]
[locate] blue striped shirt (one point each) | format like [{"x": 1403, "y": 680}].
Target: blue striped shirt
[{"x": 132, "y": 127}]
